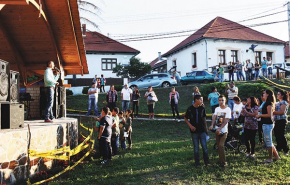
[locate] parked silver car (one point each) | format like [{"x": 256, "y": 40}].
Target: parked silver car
[{"x": 154, "y": 80}]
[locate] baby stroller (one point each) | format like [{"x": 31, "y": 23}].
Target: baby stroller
[{"x": 235, "y": 139}]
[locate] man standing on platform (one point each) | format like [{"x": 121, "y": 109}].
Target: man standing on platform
[{"x": 50, "y": 80}]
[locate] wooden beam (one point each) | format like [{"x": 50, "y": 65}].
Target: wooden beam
[
  {"x": 43, "y": 11},
  {"x": 75, "y": 36},
  {"x": 14, "y": 2},
  {"x": 16, "y": 54}
]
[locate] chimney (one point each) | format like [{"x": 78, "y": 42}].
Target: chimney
[
  {"x": 159, "y": 56},
  {"x": 84, "y": 29}
]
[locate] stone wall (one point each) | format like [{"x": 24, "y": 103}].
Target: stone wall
[
  {"x": 35, "y": 104},
  {"x": 44, "y": 137}
]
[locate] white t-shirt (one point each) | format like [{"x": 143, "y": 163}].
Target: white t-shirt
[
  {"x": 231, "y": 94},
  {"x": 126, "y": 93},
  {"x": 237, "y": 108},
  {"x": 221, "y": 115},
  {"x": 93, "y": 95},
  {"x": 268, "y": 63}
]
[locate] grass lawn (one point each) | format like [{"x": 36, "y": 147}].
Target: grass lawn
[{"x": 163, "y": 154}]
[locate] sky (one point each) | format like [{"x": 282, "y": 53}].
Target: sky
[{"x": 123, "y": 19}]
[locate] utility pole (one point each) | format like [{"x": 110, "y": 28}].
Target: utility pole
[{"x": 288, "y": 10}]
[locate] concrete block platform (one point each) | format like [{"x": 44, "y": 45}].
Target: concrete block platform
[{"x": 44, "y": 137}]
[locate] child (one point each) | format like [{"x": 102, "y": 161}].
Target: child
[
  {"x": 115, "y": 132},
  {"x": 128, "y": 128},
  {"x": 122, "y": 126}
]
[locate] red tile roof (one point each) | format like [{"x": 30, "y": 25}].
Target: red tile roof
[
  {"x": 224, "y": 29},
  {"x": 97, "y": 42}
]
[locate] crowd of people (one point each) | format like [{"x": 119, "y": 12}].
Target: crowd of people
[
  {"x": 257, "y": 114},
  {"x": 248, "y": 71}
]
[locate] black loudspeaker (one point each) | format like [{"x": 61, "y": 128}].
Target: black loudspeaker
[
  {"x": 14, "y": 116},
  {"x": 14, "y": 87},
  {"x": 4, "y": 80}
]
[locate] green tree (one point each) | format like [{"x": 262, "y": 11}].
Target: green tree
[{"x": 135, "y": 69}]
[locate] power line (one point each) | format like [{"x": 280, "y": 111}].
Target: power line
[
  {"x": 174, "y": 36},
  {"x": 180, "y": 14},
  {"x": 185, "y": 31}
]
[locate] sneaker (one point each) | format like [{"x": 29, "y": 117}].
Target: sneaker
[
  {"x": 48, "y": 121},
  {"x": 286, "y": 153},
  {"x": 104, "y": 162},
  {"x": 252, "y": 156},
  {"x": 152, "y": 117},
  {"x": 267, "y": 161},
  {"x": 248, "y": 155},
  {"x": 223, "y": 165},
  {"x": 277, "y": 158},
  {"x": 178, "y": 120}
]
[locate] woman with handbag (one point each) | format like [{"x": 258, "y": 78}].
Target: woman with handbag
[{"x": 151, "y": 99}]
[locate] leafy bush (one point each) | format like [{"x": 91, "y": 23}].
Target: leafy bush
[
  {"x": 69, "y": 92},
  {"x": 252, "y": 89},
  {"x": 205, "y": 90},
  {"x": 245, "y": 89},
  {"x": 85, "y": 90},
  {"x": 118, "y": 87}
]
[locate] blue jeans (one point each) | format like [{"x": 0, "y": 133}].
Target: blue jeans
[
  {"x": 264, "y": 72},
  {"x": 93, "y": 102},
  {"x": 49, "y": 92},
  {"x": 196, "y": 137},
  {"x": 231, "y": 75},
  {"x": 257, "y": 74},
  {"x": 115, "y": 144},
  {"x": 267, "y": 130},
  {"x": 231, "y": 104},
  {"x": 221, "y": 77},
  {"x": 241, "y": 75},
  {"x": 125, "y": 105}
]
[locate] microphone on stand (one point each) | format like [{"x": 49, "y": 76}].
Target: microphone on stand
[{"x": 56, "y": 69}]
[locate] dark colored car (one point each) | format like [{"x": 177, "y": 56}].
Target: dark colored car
[{"x": 202, "y": 76}]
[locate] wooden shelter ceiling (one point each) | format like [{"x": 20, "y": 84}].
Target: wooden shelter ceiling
[{"x": 34, "y": 32}]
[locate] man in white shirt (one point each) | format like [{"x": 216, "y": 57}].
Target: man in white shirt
[
  {"x": 50, "y": 80},
  {"x": 93, "y": 99},
  {"x": 232, "y": 91},
  {"x": 126, "y": 95}
]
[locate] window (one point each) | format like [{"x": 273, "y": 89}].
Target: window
[
  {"x": 222, "y": 56},
  {"x": 234, "y": 56},
  {"x": 173, "y": 63},
  {"x": 269, "y": 55},
  {"x": 200, "y": 73},
  {"x": 192, "y": 74},
  {"x": 109, "y": 63},
  {"x": 258, "y": 56},
  {"x": 193, "y": 63}
]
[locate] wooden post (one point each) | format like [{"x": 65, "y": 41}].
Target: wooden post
[
  {"x": 28, "y": 148},
  {"x": 278, "y": 74}
]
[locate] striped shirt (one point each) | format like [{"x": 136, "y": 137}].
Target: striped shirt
[
  {"x": 231, "y": 94},
  {"x": 278, "y": 108}
]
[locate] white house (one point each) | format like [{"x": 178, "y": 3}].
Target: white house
[
  {"x": 221, "y": 41},
  {"x": 103, "y": 54}
]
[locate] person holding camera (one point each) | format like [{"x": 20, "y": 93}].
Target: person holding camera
[
  {"x": 150, "y": 95},
  {"x": 221, "y": 118},
  {"x": 232, "y": 91}
]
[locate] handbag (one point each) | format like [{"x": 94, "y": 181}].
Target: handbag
[{"x": 153, "y": 98}]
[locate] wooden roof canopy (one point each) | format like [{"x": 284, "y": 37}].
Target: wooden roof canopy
[{"x": 33, "y": 32}]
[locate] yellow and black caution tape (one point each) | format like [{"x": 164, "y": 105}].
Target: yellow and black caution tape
[
  {"x": 60, "y": 154},
  {"x": 275, "y": 84},
  {"x": 82, "y": 125}
]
